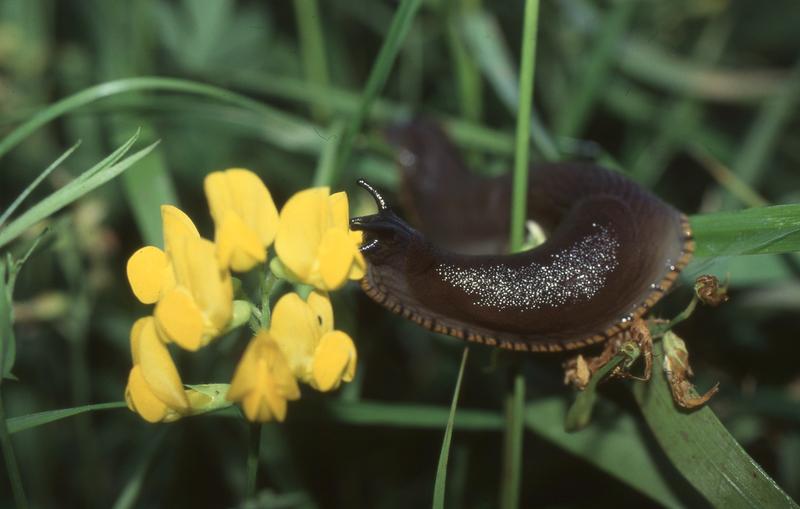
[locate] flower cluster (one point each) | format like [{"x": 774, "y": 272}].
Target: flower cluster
[{"x": 191, "y": 285}]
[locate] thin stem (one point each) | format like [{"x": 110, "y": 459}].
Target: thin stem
[
  {"x": 444, "y": 454},
  {"x": 10, "y": 458},
  {"x": 527, "y": 68},
  {"x": 253, "y": 453},
  {"x": 401, "y": 23},
  {"x": 268, "y": 285},
  {"x": 312, "y": 48},
  {"x": 512, "y": 442}
]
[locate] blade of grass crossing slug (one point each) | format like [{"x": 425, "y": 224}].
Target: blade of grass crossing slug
[
  {"x": 700, "y": 447},
  {"x": 441, "y": 468}
]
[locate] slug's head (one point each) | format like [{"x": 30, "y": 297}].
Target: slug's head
[{"x": 386, "y": 236}]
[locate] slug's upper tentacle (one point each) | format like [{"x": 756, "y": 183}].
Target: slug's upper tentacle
[{"x": 613, "y": 250}]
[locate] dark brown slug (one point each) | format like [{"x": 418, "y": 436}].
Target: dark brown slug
[{"x": 613, "y": 250}]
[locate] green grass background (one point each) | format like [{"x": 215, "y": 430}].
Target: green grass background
[{"x": 696, "y": 99}]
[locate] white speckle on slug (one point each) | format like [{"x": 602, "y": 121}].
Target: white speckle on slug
[{"x": 572, "y": 274}]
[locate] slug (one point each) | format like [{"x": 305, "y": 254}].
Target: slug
[{"x": 613, "y": 250}]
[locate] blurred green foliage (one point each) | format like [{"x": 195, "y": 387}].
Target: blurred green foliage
[{"x": 667, "y": 91}]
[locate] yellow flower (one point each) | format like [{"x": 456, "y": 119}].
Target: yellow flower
[
  {"x": 317, "y": 354},
  {"x": 263, "y": 381},
  {"x": 245, "y": 217},
  {"x": 194, "y": 294},
  {"x": 314, "y": 241},
  {"x": 149, "y": 272},
  {"x": 155, "y": 390}
]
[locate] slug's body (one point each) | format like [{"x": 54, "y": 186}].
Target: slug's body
[{"x": 612, "y": 251}]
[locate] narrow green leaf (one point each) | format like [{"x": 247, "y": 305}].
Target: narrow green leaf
[
  {"x": 33, "y": 185},
  {"x": 273, "y": 124},
  {"x": 7, "y": 340},
  {"x": 147, "y": 187},
  {"x": 512, "y": 444},
  {"x": 401, "y": 24},
  {"x": 441, "y": 467},
  {"x": 312, "y": 48},
  {"x": 24, "y": 422},
  {"x": 91, "y": 179},
  {"x": 326, "y": 166},
  {"x": 10, "y": 459},
  {"x": 703, "y": 451},
  {"x": 486, "y": 42},
  {"x": 519, "y": 192},
  {"x": 763, "y": 230}
]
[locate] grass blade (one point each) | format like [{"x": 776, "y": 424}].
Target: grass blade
[
  {"x": 486, "y": 42},
  {"x": 512, "y": 442},
  {"x": 441, "y": 468},
  {"x": 25, "y": 422},
  {"x": 33, "y": 185},
  {"x": 401, "y": 24},
  {"x": 528, "y": 69},
  {"x": 277, "y": 125},
  {"x": 703, "y": 451},
  {"x": 763, "y": 230},
  {"x": 88, "y": 181}
]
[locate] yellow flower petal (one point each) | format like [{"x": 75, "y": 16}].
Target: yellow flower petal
[
  {"x": 180, "y": 319},
  {"x": 295, "y": 329},
  {"x": 245, "y": 216},
  {"x": 176, "y": 225},
  {"x": 136, "y": 332},
  {"x": 141, "y": 399},
  {"x": 359, "y": 267},
  {"x": 158, "y": 369},
  {"x": 303, "y": 221},
  {"x": 321, "y": 305},
  {"x": 146, "y": 271},
  {"x": 263, "y": 381},
  {"x": 197, "y": 269},
  {"x": 238, "y": 246},
  {"x": 334, "y": 360},
  {"x": 340, "y": 211},
  {"x": 336, "y": 252}
]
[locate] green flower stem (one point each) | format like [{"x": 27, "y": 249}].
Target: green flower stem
[
  {"x": 268, "y": 286},
  {"x": 253, "y": 454},
  {"x": 527, "y": 68},
  {"x": 10, "y": 458}
]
